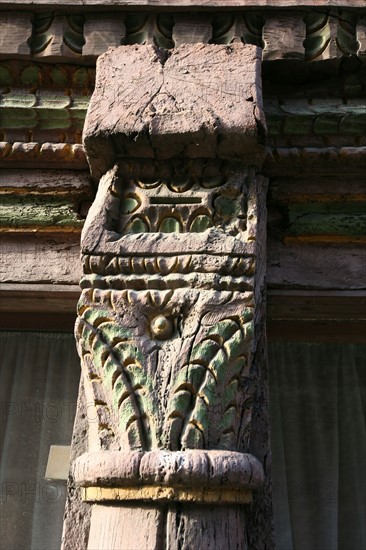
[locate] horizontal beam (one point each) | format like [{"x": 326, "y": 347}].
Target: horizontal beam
[
  {"x": 38, "y": 298},
  {"x": 50, "y": 182},
  {"x": 315, "y": 266},
  {"x": 40, "y": 259},
  {"x": 307, "y": 305},
  {"x": 347, "y": 332},
  {"x": 282, "y": 305},
  {"x": 180, "y": 4}
]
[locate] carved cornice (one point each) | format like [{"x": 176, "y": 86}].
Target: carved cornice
[
  {"x": 46, "y": 82},
  {"x": 278, "y": 161},
  {"x": 80, "y": 37},
  {"x": 196, "y": 5}
]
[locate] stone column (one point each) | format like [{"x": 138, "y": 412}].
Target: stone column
[{"x": 170, "y": 325}]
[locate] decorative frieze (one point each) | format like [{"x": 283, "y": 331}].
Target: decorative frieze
[
  {"x": 283, "y": 36},
  {"x": 324, "y": 210},
  {"x": 43, "y": 155},
  {"x": 57, "y": 36},
  {"x": 45, "y": 202},
  {"x": 142, "y": 28},
  {"x": 296, "y": 34}
]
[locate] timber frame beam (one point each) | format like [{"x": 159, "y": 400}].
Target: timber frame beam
[{"x": 177, "y": 4}]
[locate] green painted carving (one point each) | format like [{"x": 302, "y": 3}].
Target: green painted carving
[
  {"x": 222, "y": 28},
  {"x": 45, "y": 75},
  {"x": 180, "y": 204},
  {"x": 203, "y": 409},
  {"x": 254, "y": 23},
  {"x": 118, "y": 364},
  {"x": 137, "y": 225},
  {"x": 319, "y": 117},
  {"x": 244, "y": 27},
  {"x": 180, "y": 184},
  {"x": 6, "y": 77},
  {"x": 182, "y": 312},
  {"x": 81, "y": 77},
  {"x": 26, "y": 211},
  {"x": 47, "y": 29},
  {"x": 201, "y": 223},
  {"x": 150, "y": 29},
  {"x": 170, "y": 225},
  {"x": 347, "y": 33},
  {"x": 130, "y": 204},
  {"x": 31, "y": 76},
  {"x": 40, "y": 38},
  {"x": 59, "y": 76},
  {"x": 157, "y": 383},
  {"x": 73, "y": 36},
  {"x": 47, "y": 110},
  {"x": 332, "y": 218},
  {"x": 317, "y": 34},
  {"x": 226, "y": 207}
]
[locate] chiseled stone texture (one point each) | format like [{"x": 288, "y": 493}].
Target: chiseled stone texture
[{"x": 199, "y": 100}]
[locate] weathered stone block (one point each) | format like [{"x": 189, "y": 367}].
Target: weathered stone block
[
  {"x": 16, "y": 29},
  {"x": 197, "y": 101}
]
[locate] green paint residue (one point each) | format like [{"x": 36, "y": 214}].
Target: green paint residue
[
  {"x": 31, "y": 76},
  {"x": 227, "y": 207},
  {"x": 59, "y": 76},
  {"x": 6, "y": 78},
  {"x": 332, "y": 218},
  {"x": 137, "y": 225},
  {"x": 129, "y": 205},
  {"x": 200, "y": 224},
  {"x": 170, "y": 225},
  {"x": 39, "y": 211}
]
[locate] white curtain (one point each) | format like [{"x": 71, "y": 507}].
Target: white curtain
[
  {"x": 318, "y": 441},
  {"x": 39, "y": 385}
]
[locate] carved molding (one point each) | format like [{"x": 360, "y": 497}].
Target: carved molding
[
  {"x": 285, "y": 34},
  {"x": 43, "y": 155},
  {"x": 218, "y": 477},
  {"x": 43, "y": 202},
  {"x": 153, "y": 5}
]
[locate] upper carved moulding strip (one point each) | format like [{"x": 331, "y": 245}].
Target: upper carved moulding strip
[
  {"x": 79, "y": 37},
  {"x": 188, "y": 4}
]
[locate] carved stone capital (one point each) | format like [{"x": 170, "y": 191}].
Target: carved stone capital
[{"x": 171, "y": 309}]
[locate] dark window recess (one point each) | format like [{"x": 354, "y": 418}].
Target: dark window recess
[
  {"x": 318, "y": 440},
  {"x": 39, "y": 386}
]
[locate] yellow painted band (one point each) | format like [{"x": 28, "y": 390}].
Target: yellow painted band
[{"x": 155, "y": 493}]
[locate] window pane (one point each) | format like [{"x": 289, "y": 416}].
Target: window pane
[
  {"x": 39, "y": 385},
  {"x": 318, "y": 439}
]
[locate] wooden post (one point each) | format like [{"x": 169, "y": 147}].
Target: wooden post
[{"x": 170, "y": 323}]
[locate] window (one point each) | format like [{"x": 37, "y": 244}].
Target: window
[
  {"x": 39, "y": 385},
  {"x": 318, "y": 439}
]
